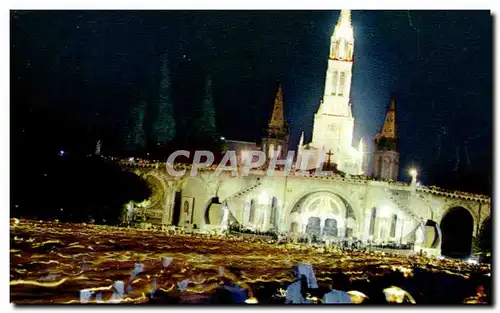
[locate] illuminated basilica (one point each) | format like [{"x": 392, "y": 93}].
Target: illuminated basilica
[{"x": 347, "y": 204}]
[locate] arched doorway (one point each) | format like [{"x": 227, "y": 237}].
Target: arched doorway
[
  {"x": 313, "y": 227},
  {"x": 325, "y": 214},
  {"x": 456, "y": 230},
  {"x": 330, "y": 228}
]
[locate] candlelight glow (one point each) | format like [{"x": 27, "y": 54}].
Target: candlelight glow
[{"x": 59, "y": 256}]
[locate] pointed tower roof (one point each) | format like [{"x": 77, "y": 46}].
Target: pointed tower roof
[
  {"x": 389, "y": 128},
  {"x": 344, "y": 29},
  {"x": 277, "y": 118},
  {"x": 345, "y": 17},
  {"x": 277, "y": 124}
]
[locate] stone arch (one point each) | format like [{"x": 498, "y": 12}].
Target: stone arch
[
  {"x": 153, "y": 209},
  {"x": 158, "y": 188},
  {"x": 459, "y": 204},
  {"x": 330, "y": 205},
  {"x": 354, "y": 210},
  {"x": 457, "y": 227}
]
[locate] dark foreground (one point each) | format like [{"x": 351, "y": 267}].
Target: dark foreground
[{"x": 51, "y": 262}]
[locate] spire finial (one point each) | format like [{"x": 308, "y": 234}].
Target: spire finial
[
  {"x": 392, "y": 106},
  {"x": 343, "y": 29},
  {"x": 345, "y": 17},
  {"x": 342, "y": 41}
]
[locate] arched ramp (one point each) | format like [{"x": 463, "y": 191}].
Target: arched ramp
[{"x": 457, "y": 227}]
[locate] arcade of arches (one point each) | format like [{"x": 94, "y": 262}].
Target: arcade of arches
[{"x": 322, "y": 213}]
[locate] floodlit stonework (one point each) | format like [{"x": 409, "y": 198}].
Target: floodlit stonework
[
  {"x": 339, "y": 206},
  {"x": 331, "y": 206},
  {"x": 334, "y": 123}
]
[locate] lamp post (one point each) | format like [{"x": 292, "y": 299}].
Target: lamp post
[
  {"x": 413, "y": 184},
  {"x": 413, "y": 174}
]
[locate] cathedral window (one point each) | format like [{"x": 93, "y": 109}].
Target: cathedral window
[
  {"x": 274, "y": 204},
  {"x": 313, "y": 227},
  {"x": 393, "y": 225},
  {"x": 342, "y": 49},
  {"x": 372, "y": 221},
  {"x": 349, "y": 52},
  {"x": 341, "y": 83},
  {"x": 330, "y": 228},
  {"x": 335, "y": 82},
  {"x": 251, "y": 217}
]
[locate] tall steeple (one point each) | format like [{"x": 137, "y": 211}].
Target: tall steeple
[
  {"x": 334, "y": 122},
  {"x": 277, "y": 117},
  {"x": 276, "y": 140},
  {"x": 385, "y": 161},
  {"x": 389, "y": 127}
]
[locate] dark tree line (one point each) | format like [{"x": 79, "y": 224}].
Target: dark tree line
[{"x": 179, "y": 114}]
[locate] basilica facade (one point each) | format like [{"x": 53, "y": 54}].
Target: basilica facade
[{"x": 348, "y": 203}]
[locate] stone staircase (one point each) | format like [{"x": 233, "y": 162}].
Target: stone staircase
[
  {"x": 240, "y": 194},
  {"x": 411, "y": 237},
  {"x": 427, "y": 202},
  {"x": 402, "y": 205}
]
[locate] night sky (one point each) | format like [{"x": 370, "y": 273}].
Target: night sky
[{"x": 74, "y": 74}]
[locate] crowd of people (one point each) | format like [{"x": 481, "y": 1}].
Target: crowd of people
[
  {"x": 226, "y": 269},
  {"x": 305, "y": 289}
]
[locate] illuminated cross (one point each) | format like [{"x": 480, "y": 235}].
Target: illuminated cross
[{"x": 329, "y": 156}]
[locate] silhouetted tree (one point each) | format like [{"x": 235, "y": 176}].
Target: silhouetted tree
[
  {"x": 164, "y": 122},
  {"x": 135, "y": 136}
]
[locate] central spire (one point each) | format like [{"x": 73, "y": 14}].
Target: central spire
[{"x": 342, "y": 41}]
